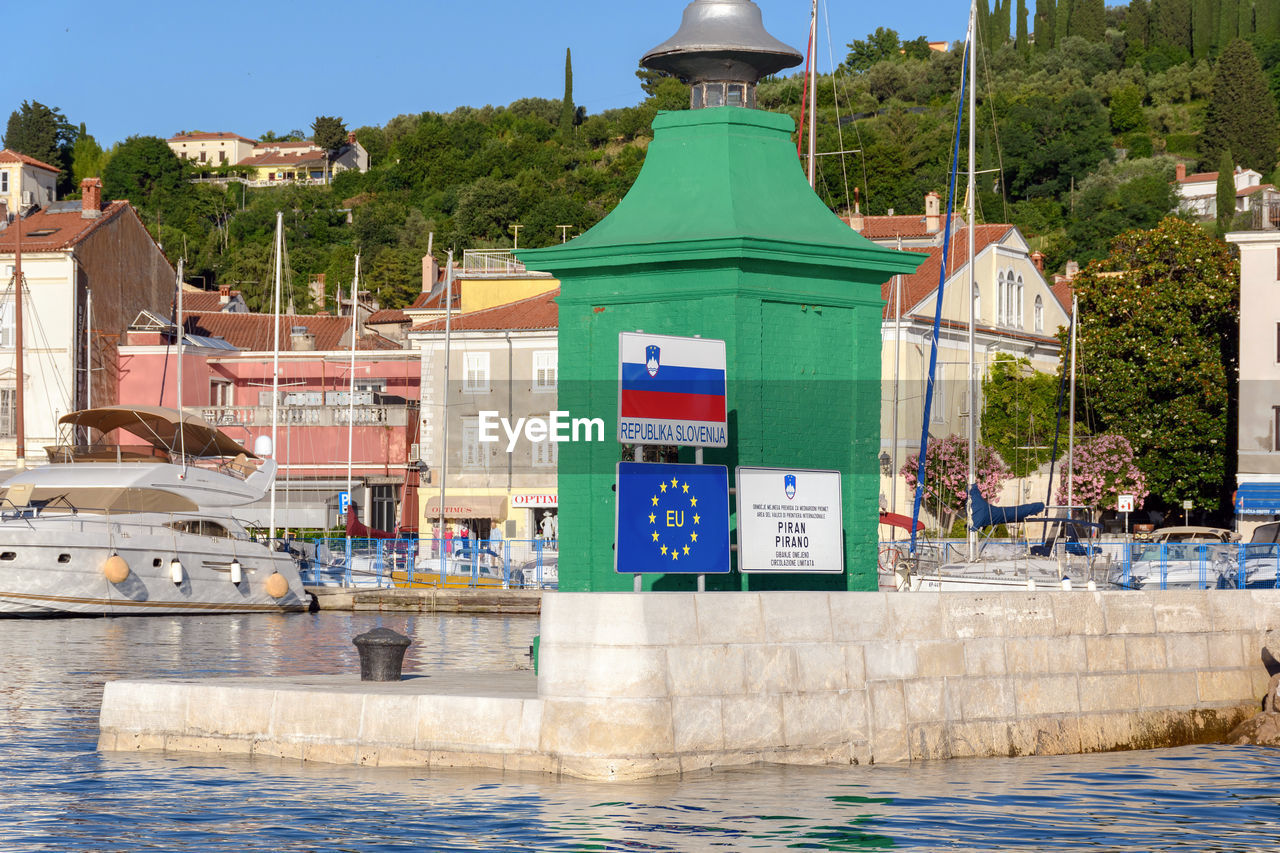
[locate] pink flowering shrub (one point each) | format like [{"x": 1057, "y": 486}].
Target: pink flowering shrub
[
  {"x": 1103, "y": 468},
  {"x": 946, "y": 475}
]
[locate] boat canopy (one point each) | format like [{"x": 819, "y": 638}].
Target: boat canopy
[
  {"x": 988, "y": 515},
  {"x": 93, "y": 499},
  {"x": 161, "y": 427}
]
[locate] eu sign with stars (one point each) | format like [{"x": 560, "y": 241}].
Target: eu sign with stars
[{"x": 672, "y": 519}]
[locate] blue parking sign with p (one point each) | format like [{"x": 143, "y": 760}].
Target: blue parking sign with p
[{"x": 344, "y": 501}]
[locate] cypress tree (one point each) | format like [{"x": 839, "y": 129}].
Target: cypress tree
[
  {"x": 1171, "y": 24},
  {"x": 1204, "y": 27},
  {"x": 1089, "y": 19},
  {"x": 1226, "y": 193},
  {"x": 1063, "y": 24},
  {"x": 1135, "y": 25},
  {"x": 1045, "y": 23},
  {"x": 1228, "y": 23},
  {"x": 1005, "y": 23},
  {"x": 1020, "y": 42},
  {"x": 566, "y": 107},
  {"x": 983, "y": 36},
  {"x": 1266, "y": 19},
  {"x": 1241, "y": 117}
]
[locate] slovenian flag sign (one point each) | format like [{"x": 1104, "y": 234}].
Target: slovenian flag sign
[{"x": 671, "y": 390}]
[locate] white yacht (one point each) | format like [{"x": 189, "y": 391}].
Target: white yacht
[{"x": 112, "y": 528}]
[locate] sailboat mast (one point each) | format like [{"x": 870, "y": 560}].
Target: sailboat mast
[
  {"x": 1071, "y": 418},
  {"x": 444, "y": 452},
  {"x": 813, "y": 91},
  {"x": 19, "y": 420},
  {"x": 181, "y": 328},
  {"x": 969, "y": 214},
  {"x": 351, "y": 383},
  {"x": 275, "y": 359}
]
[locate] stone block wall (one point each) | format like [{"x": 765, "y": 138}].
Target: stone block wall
[{"x": 634, "y": 685}]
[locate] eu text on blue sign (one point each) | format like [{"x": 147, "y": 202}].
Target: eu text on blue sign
[
  {"x": 672, "y": 519},
  {"x": 671, "y": 390}
]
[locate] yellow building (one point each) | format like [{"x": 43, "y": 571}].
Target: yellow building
[
  {"x": 211, "y": 149},
  {"x": 25, "y": 182}
]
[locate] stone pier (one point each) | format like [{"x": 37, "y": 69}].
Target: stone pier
[{"x": 635, "y": 685}]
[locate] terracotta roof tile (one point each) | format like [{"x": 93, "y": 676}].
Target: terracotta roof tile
[
  {"x": 209, "y": 300},
  {"x": 883, "y": 227},
  {"x": 203, "y": 135},
  {"x": 1062, "y": 291},
  {"x": 284, "y": 158},
  {"x": 43, "y": 231},
  {"x": 254, "y": 333},
  {"x": 1199, "y": 178},
  {"x": 388, "y": 315},
  {"x": 526, "y": 315},
  {"x": 7, "y": 156},
  {"x": 917, "y": 286},
  {"x": 1255, "y": 189}
]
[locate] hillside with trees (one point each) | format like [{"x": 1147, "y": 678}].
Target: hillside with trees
[{"x": 1082, "y": 114}]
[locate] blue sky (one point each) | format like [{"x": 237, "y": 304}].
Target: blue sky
[{"x": 156, "y": 68}]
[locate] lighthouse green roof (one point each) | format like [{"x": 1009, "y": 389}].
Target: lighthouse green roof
[{"x": 721, "y": 182}]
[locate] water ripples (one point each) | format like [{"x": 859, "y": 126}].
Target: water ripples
[{"x": 61, "y": 794}]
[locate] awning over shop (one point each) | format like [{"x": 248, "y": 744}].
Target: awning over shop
[
  {"x": 467, "y": 506},
  {"x": 1258, "y": 499}
]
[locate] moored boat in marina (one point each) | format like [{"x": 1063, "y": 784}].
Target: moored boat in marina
[{"x": 112, "y": 529}]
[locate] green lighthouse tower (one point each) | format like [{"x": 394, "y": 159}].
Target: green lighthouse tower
[{"x": 722, "y": 237}]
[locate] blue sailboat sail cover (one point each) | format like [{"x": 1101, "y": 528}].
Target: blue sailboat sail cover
[{"x": 987, "y": 515}]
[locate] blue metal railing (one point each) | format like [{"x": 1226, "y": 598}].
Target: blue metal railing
[
  {"x": 1147, "y": 565},
  {"x": 506, "y": 563}
]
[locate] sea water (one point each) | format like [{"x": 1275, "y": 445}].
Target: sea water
[{"x": 58, "y": 793}]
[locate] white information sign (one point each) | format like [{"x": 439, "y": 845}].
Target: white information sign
[
  {"x": 789, "y": 520},
  {"x": 1125, "y": 503}
]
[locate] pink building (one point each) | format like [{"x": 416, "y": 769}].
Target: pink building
[{"x": 227, "y": 377}]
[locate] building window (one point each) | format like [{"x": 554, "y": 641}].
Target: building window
[
  {"x": 7, "y": 331},
  {"x": 4, "y": 182},
  {"x": 1017, "y": 303},
  {"x": 977, "y": 302},
  {"x": 383, "y": 509},
  {"x": 544, "y": 370},
  {"x": 219, "y": 393},
  {"x": 474, "y": 454},
  {"x": 8, "y": 400},
  {"x": 476, "y": 372},
  {"x": 1000, "y": 297},
  {"x": 545, "y": 453},
  {"x": 1039, "y": 315}
]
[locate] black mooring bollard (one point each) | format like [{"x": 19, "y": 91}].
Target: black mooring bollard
[{"x": 381, "y": 654}]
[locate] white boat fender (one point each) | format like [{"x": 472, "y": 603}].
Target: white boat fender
[
  {"x": 175, "y": 570},
  {"x": 1091, "y": 586},
  {"x": 1031, "y": 583},
  {"x": 116, "y": 569},
  {"x": 1066, "y": 583},
  {"x": 237, "y": 573},
  {"x": 277, "y": 586}
]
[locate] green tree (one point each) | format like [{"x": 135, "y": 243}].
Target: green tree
[
  {"x": 1241, "y": 116},
  {"x": 1049, "y": 141},
  {"x": 1088, "y": 19},
  {"x": 145, "y": 171},
  {"x": 1062, "y": 20},
  {"x": 1226, "y": 193},
  {"x": 43, "y": 133},
  {"x": 1045, "y": 25},
  {"x": 1170, "y": 24},
  {"x": 329, "y": 133},
  {"x": 1126, "y": 109},
  {"x": 1228, "y": 23},
  {"x": 87, "y": 157},
  {"x": 1133, "y": 193},
  {"x": 1157, "y": 339},
  {"x": 1020, "y": 40},
  {"x": 567, "y": 112},
  {"x": 1019, "y": 413},
  {"x": 1135, "y": 27},
  {"x": 1204, "y": 27},
  {"x": 879, "y": 46}
]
